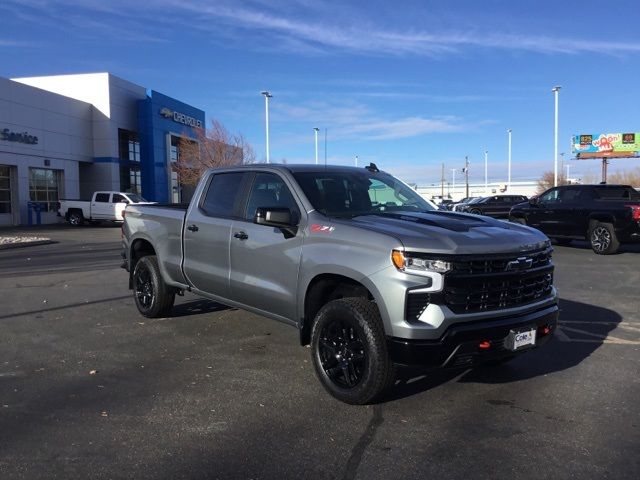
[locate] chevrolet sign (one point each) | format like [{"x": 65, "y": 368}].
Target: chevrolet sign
[{"x": 180, "y": 118}]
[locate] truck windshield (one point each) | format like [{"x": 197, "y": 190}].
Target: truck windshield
[{"x": 354, "y": 193}]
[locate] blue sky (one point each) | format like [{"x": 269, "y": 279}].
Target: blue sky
[{"x": 407, "y": 84}]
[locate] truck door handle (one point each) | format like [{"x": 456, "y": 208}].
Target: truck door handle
[
  {"x": 241, "y": 235},
  {"x": 192, "y": 228}
]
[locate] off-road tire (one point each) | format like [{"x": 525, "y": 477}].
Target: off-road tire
[
  {"x": 603, "y": 239},
  {"x": 152, "y": 296},
  {"x": 76, "y": 219},
  {"x": 363, "y": 322}
]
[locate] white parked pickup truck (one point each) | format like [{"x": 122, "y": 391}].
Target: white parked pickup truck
[{"x": 103, "y": 207}]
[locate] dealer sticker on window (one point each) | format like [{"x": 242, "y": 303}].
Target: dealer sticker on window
[{"x": 522, "y": 338}]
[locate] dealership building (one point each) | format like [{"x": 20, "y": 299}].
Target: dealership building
[{"x": 67, "y": 136}]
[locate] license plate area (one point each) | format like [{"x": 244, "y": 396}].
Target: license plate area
[{"x": 521, "y": 338}]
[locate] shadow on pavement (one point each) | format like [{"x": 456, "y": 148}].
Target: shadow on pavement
[
  {"x": 585, "y": 331},
  {"x": 197, "y": 307}
]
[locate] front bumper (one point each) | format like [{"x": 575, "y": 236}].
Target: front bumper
[{"x": 459, "y": 346}]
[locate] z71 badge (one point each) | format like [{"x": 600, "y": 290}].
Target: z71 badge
[{"x": 317, "y": 228}]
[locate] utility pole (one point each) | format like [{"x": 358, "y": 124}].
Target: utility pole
[
  {"x": 442, "y": 183},
  {"x": 453, "y": 173},
  {"x": 466, "y": 175}
]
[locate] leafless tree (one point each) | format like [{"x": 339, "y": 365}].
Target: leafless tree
[
  {"x": 214, "y": 147},
  {"x": 546, "y": 181},
  {"x": 626, "y": 177}
]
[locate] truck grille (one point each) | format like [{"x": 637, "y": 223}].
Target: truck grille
[{"x": 493, "y": 282}]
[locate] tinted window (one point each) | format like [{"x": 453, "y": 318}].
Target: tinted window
[
  {"x": 617, "y": 193},
  {"x": 117, "y": 198},
  {"x": 550, "y": 197},
  {"x": 351, "y": 193},
  {"x": 102, "y": 197},
  {"x": 269, "y": 190},
  {"x": 223, "y": 195}
]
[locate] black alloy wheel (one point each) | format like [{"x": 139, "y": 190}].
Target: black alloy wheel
[
  {"x": 349, "y": 350},
  {"x": 476, "y": 211},
  {"x": 342, "y": 353},
  {"x": 144, "y": 290},
  {"x": 153, "y": 297}
]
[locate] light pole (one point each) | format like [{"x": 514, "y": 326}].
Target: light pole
[
  {"x": 315, "y": 131},
  {"x": 267, "y": 96},
  {"x": 509, "y": 165},
  {"x": 555, "y": 91},
  {"x": 568, "y": 166},
  {"x": 453, "y": 181},
  {"x": 486, "y": 183}
]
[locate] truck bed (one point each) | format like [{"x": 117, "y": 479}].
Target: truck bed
[{"x": 163, "y": 223}]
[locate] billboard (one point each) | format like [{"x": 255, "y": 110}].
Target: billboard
[{"x": 606, "y": 145}]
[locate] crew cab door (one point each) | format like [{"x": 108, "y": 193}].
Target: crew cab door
[
  {"x": 570, "y": 220},
  {"x": 207, "y": 231},
  {"x": 543, "y": 215},
  {"x": 264, "y": 259},
  {"x": 101, "y": 206}
]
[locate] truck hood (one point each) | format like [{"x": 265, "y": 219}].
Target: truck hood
[{"x": 453, "y": 233}]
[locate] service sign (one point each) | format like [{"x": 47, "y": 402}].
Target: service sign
[{"x": 606, "y": 143}]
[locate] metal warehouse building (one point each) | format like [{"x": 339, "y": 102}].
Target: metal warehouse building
[{"x": 66, "y": 136}]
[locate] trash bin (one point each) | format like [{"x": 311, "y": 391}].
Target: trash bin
[{"x": 35, "y": 209}]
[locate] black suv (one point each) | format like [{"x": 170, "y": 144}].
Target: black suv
[
  {"x": 606, "y": 215},
  {"x": 496, "y": 206}
]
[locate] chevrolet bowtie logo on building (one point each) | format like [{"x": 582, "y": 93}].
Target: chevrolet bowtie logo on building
[
  {"x": 521, "y": 263},
  {"x": 180, "y": 118},
  {"x": 166, "y": 113}
]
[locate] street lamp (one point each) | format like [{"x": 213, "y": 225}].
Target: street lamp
[
  {"x": 509, "y": 165},
  {"x": 555, "y": 91},
  {"x": 267, "y": 96},
  {"x": 486, "y": 183},
  {"x": 315, "y": 131}
]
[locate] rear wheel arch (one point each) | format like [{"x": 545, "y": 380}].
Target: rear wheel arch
[
  {"x": 139, "y": 248},
  {"x": 322, "y": 289}
]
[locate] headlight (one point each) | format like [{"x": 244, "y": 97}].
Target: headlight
[{"x": 411, "y": 264}]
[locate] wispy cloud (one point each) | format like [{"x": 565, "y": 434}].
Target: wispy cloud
[
  {"x": 306, "y": 27},
  {"x": 357, "y": 121}
]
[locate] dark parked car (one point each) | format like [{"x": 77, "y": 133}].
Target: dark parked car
[
  {"x": 496, "y": 206},
  {"x": 457, "y": 207},
  {"x": 606, "y": 215}
]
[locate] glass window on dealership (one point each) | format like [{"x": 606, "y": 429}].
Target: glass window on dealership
[{"x": 129, "y": 150}]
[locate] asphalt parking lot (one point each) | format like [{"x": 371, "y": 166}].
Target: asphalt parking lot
[{"x": 90, "y": 389}]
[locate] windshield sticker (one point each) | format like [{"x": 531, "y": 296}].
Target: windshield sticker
[{"x": 317, "y": 228}]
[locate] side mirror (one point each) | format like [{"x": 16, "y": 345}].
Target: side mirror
[
  {"x": 274, "y": 217},
  {"x": 533, "y": 201}
]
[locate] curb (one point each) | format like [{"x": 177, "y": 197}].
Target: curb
[{"x": 9, "y": 246}]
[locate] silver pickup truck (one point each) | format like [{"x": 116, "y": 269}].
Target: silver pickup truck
[{"x": 366, "y": 270}]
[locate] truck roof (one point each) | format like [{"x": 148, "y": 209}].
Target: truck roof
[{"x": 294, "y": 168}]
